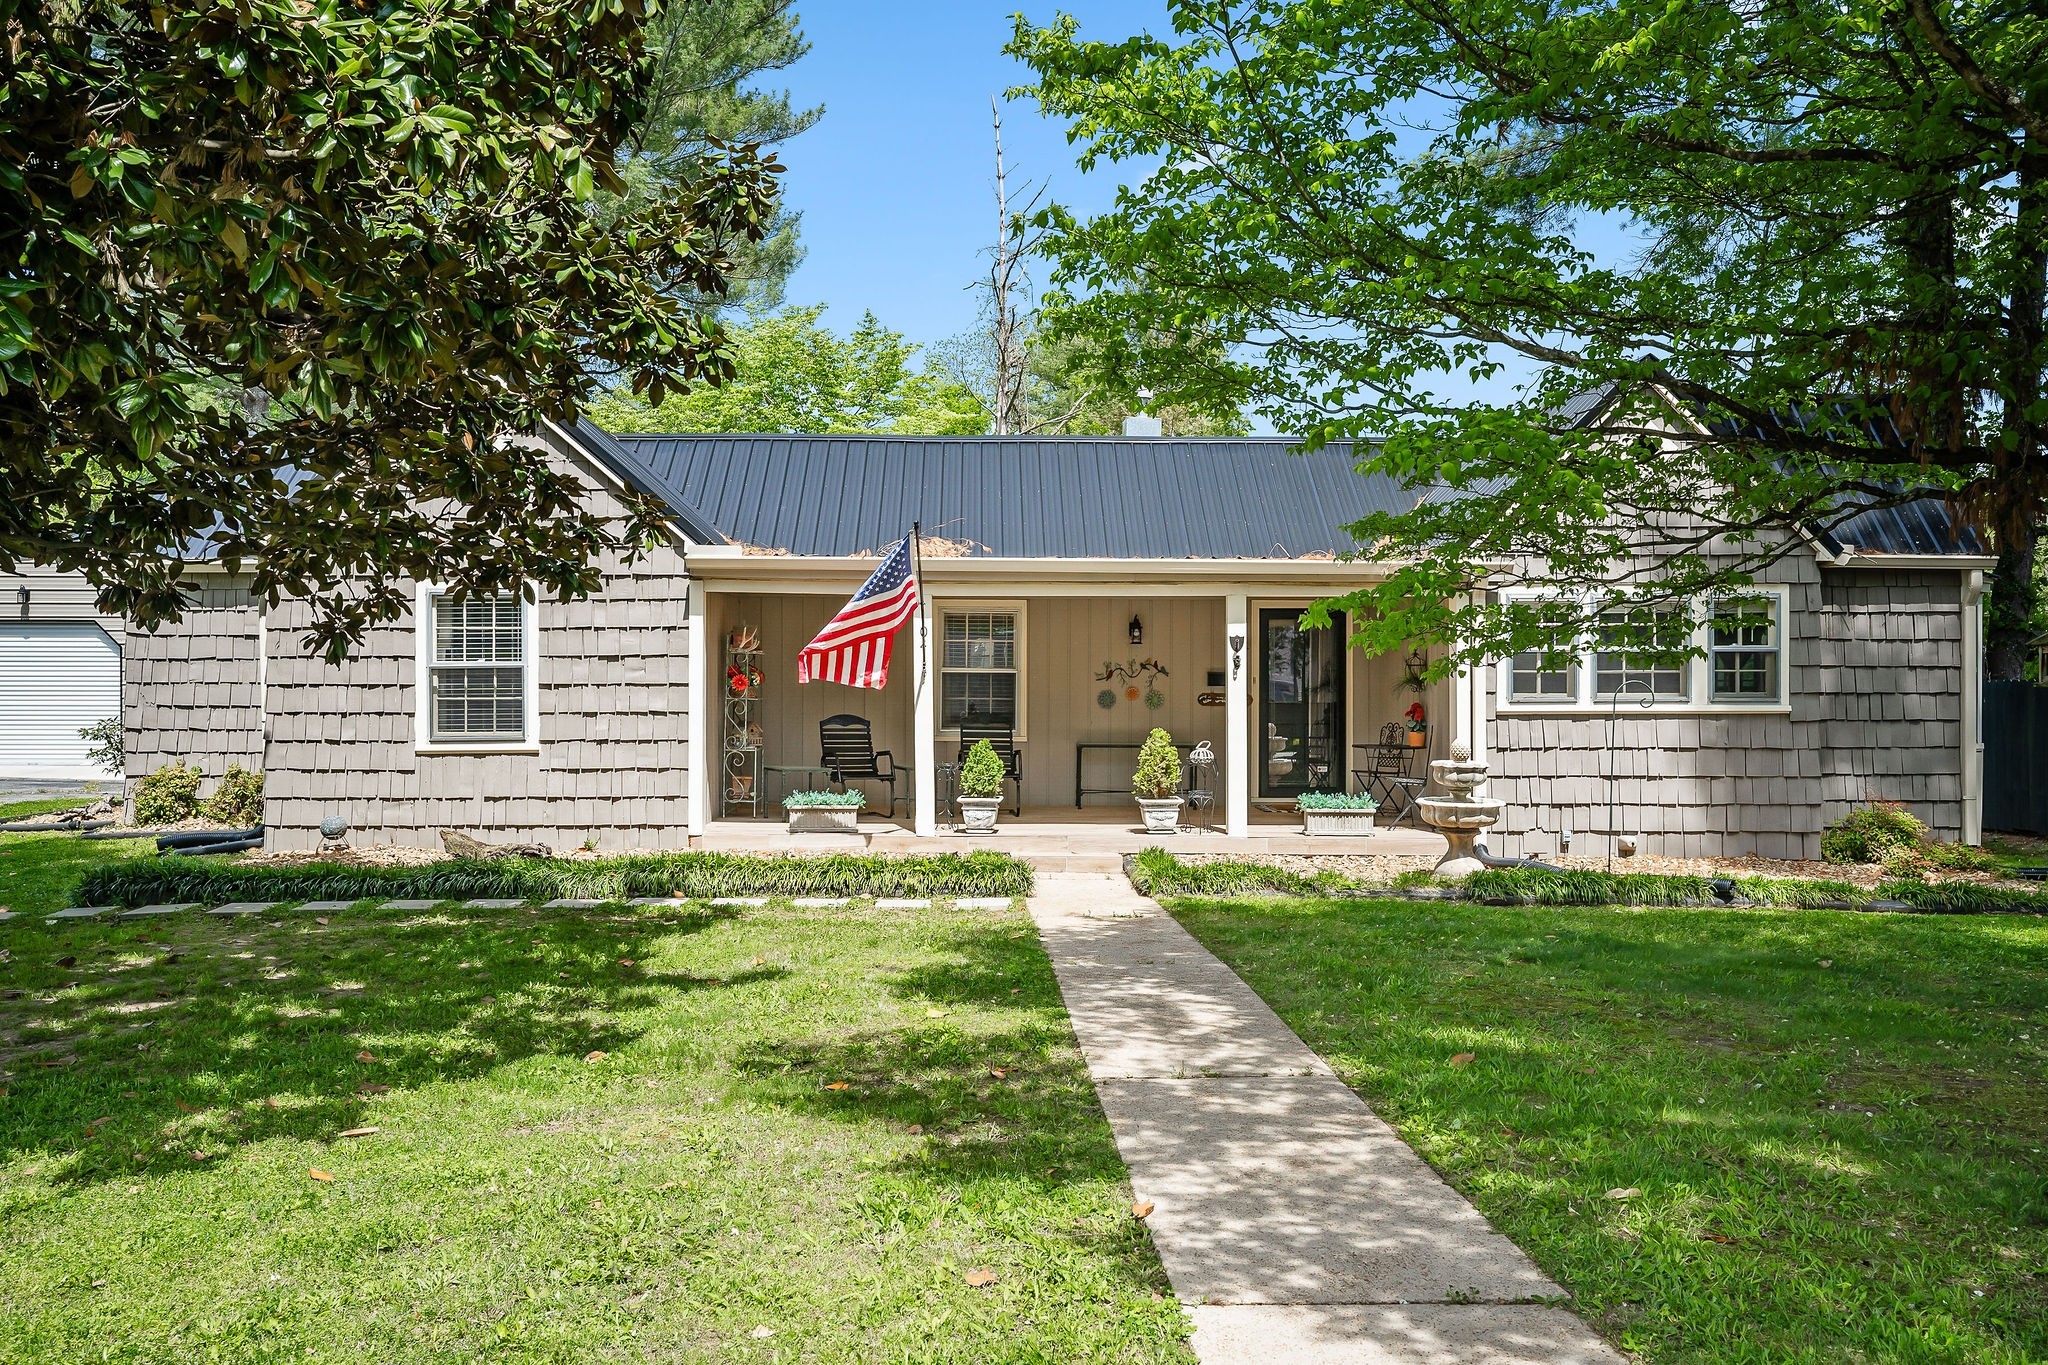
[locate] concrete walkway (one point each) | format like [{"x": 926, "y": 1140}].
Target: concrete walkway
[{"x": 1293, "y": 1222}]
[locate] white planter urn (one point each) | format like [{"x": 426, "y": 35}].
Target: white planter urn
[
  {"x": 1161, "y": 816},
  {"x": 823, "y": 819},
  {"x": 978, "y": 813}
]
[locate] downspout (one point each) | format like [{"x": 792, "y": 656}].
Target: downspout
[{"x": 1973, "y": 707}]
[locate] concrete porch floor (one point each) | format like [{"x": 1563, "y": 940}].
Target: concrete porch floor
[{"x": 1054, "y": 830}]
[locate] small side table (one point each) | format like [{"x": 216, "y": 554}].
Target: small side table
[{"x": 788, "y": 771}]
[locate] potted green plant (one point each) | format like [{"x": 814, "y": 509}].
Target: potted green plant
[
  {"x": 1338, "y": 813},
  {"x": 824, "y": 812},
  {"x": 981, "y": 788},
  {"x": 1156, "y": 783}
]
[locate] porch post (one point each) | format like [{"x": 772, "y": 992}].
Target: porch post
[
  {"x": 1237, "y": 717},
  {"x": 702, "y": 759},
  {"x": 924, "y": 722}
]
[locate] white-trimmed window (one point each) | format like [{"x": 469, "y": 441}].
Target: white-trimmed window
[
  {"x": 981, "y": 665},
  {"x": 1743, "y": 650},
  {"x": 1738, "y": 660},
  {"x": 1535, "y": 676},
  {"x": 1622, "y": 665},
  {"x": 476, "y": 667}
]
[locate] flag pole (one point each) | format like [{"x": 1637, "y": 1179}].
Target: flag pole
[{"x": 924, "y": 636}]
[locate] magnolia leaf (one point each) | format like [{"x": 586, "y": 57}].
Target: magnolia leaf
[
  {"x": 835, "y": 1085},
  {"x": 359, "y": 1132},
  {"x": 1465, "y": 1059},
  {"x": 1142, "y": 1209},
  {"x": 595, "y": 1055},
  {"x": 322, "y": 1176},
  {"x": 980, "y": 1276},
  {"x": 1629, "y": 1192},
  {"x": 365, "y": 1057}
]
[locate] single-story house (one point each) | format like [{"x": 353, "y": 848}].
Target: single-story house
[{"x": 1081, "y": 591}]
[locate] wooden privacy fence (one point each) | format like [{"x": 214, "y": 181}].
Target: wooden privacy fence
[{"x": 2016, "y": 757}]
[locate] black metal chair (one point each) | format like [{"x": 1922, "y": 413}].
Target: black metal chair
[
  {"x": 1389, "y": 774},
  {"x": 847, "y": 751},
  {"x": 972, "y": 732}
]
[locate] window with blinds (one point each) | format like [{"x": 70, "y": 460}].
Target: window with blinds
[
  {"x": 978, "y": 669},
  {"x": 477, "y": 670}
]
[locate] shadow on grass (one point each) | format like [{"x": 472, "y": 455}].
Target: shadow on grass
[{"x": 128, "y": 1047}]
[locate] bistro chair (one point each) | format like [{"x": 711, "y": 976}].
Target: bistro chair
[
  {"x": 848, "y": 753},
  {"x": 972, "y": 732},
  {"x": 1389, "y": 774}
]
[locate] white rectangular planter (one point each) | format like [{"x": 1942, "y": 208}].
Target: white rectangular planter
[
  {"x": 823, "y": 819},
  {"x": 1348, "y": 824}
]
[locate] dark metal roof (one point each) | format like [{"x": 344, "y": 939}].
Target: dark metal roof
[
  {"x": 628, "y": 465},
  {"x": 1027, "y": 497},
  {"x": 1926, "y": 525}
]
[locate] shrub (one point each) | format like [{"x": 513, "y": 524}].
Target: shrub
[
  {"x": 106, "y": 749},
  {"x": 1958, "y": 858},
  {"x": 983, "y": 773},
  {"x": 1870, "y": 834},
  {"x": 1542, "y": 887},
  {"x": 1155, "y": 872},
  {"x": 695, "y": 875},
  {"x": 1336, "y": 801},
  {"x": 168, "y": 795},
  {"x": 1158, "y": 774},
  {"x": 1962, "y": 898},
  {"x": 238, "y": 800},
  {"x": 852, "y": 797}
]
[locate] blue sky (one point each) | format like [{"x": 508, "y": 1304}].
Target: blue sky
[{"x": 896, "y": 182}]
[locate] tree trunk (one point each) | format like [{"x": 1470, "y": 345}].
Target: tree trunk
[{"x": 2011, "y": 619}]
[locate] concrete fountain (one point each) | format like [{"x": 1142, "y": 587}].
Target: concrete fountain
[{"x": 1460, "y": 817}]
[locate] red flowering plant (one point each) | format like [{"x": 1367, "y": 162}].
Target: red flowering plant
[{"x": 1415, "y": 717}]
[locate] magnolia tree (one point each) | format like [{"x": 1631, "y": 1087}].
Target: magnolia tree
[
  {"x": 1831, "y": 293},
  {"x": 287, "y": 274}
]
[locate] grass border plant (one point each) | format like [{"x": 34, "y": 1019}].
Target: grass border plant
[{"x": 693, "y": 875}]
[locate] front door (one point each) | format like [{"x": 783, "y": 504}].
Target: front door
[{"x": 1300, "y": 741}]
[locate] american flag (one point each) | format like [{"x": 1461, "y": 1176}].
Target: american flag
[{"x": 854, "y": 646}]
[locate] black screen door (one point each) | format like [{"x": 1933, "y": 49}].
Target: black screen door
[{"x": 1300, "y": 740}]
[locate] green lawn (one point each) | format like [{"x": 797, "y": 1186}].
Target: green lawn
[
  {"x": 599, "y": 1136},
  {"x": 1838, "y": 1123}
]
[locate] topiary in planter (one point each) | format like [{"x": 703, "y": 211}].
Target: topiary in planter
[
  {"x": 1158, "y": 774},
  {"x": 238, "y": 801},
  {"x": 982, "y": 774},
  {"x": 168, "y": 795}
]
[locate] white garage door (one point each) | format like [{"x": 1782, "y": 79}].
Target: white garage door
[{"x": 55, "y": 677}]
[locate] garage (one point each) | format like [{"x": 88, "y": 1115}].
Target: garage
[{"x": 55, "y": 678}]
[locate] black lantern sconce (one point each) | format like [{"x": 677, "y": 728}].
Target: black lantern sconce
[
  {"x": 1137, "y": 631},
  {"x": 1236, "y": 652}
]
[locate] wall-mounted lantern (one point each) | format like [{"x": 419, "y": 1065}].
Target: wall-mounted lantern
[
  {"x": 1137, "y": 631},
  {"x": 1236, "y": 652}
]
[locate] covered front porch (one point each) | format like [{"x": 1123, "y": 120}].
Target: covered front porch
[{"x": 1081, "y": 658}]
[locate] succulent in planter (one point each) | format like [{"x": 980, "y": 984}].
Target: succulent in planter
[
  {"x": 980, "y": 788},
  {"x": 1156, "y": 783},
  {"x": 1340, "y": 813},
  {"x": 824, "y": 812}
]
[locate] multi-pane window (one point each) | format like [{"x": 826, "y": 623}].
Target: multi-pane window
[
  {"x": 476, "y": 668},
  {"x": 1742, "y": 654},
  {"x": 1536, "y": 675},
  {"x": 1626, "y": 660},
  {"x": 978, "y": 669}
]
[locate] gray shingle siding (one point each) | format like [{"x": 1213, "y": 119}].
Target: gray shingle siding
[
  {"x": 190, "y": 689},
  {"x": 1874, "y": 672},
  {"x": 612, "y": 677}
]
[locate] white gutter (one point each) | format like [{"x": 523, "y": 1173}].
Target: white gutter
[
  {"x": 1853, "y": 558},
  {"x": 732, "y": 567},
  {"x": 1973, "y": 707}
]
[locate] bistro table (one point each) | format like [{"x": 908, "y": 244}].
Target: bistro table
[{"x": 1081, "y": 768}]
